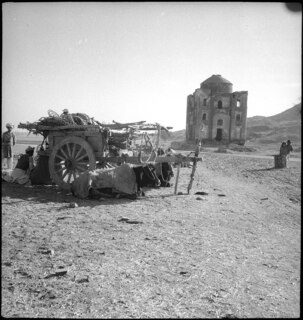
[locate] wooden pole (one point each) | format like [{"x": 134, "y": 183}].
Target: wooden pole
[
  {"x": 194, "y": 168},
  {"x": 177, "y": 177}
]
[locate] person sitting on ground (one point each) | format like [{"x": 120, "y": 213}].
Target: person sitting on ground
[
  {"x": 21, "y": 172},
  {"x": 289, "y": 149},
  {"x": 283, "y": 149},
  {"x": 160, "y": 151}
]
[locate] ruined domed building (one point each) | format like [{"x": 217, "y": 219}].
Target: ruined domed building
[{"x": 216, "y": 114}]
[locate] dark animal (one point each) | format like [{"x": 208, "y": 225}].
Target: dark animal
[
  {"x": 165, "y": 173},
  {"x": 146, "y": 177}
]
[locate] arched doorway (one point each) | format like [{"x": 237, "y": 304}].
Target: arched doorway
[{"x": 219, "y": 134}]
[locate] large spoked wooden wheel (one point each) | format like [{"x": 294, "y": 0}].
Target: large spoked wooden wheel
[{"x": 69, "y": 158}]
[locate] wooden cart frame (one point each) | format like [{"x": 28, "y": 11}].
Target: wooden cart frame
[{"x": 73, "y": 149}]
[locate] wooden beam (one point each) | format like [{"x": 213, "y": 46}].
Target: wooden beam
[{"x": 135, "y": 160}]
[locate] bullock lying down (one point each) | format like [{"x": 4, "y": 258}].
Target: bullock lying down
[{"x": 126, "y": 180}]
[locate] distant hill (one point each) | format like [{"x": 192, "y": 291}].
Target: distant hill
[{"x": 282, "y": 126}]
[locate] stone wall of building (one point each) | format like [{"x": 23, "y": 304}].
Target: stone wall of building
[{"x": 215, "y": 113}]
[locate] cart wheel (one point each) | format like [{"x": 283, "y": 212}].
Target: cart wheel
[{"x": 69, "y": 158}]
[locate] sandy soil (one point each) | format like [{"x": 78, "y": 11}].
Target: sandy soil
[{"x": 232, "y": 251}]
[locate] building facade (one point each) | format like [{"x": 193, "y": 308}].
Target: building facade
[{"x": 216, "y": 114}]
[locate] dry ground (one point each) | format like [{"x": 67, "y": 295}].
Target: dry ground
[{"x": 233, "y": 252}]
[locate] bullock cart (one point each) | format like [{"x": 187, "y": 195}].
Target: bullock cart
[{"x": 72, "y": 149}]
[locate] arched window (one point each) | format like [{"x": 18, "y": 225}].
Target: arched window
[
  {"x": 204, "y": 116},
  {"x": 204, "y": 102},
  {"x": 219, "y": 104},
  {"x": 220, "y": 122},
  {"x": 238, "y": 103},
  {"x": 238, "y": 117}
]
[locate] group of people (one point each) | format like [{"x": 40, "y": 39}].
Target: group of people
[
  {"x": 25, "y": 164},
  {"x": 286, "y": 148}
]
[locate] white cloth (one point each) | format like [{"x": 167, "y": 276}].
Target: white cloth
[
  {"x": 9, "y": 162},
  {"x": 121, "y": 179},
  {"x": 15, "y": 176}
]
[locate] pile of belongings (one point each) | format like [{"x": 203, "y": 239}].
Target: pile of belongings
[
  {"x": 127, "y": 180},
  {"x": 54, "y": 120},
  {"x": 119, "y": 136}
]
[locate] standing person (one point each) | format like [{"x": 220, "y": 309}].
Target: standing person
[
  {"x": 289, "y": 149},
  {"x": 283, "y": 149},
  {"x": 8, "y": 141},
  {"x": 24, "y": 166}
]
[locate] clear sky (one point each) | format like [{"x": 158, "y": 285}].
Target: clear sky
[{"x": 133, "y": 61}]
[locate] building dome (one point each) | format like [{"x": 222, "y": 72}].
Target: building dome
[{"x": 217, "y": 84}]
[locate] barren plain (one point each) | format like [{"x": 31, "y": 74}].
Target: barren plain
[{"x": 231, "y": 251}]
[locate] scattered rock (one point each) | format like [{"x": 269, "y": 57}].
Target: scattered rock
[
  {"x": 62, "y": 218},
  {"x": 56, "y": 274},
  {"x": 153, "y": 238},
  {"x": 264, "y": 199},
  {"x": 45, "y": 250},
  {"x": 123, "y": 219},
  {"x": 81, "y": 278},
  {"x": 11, "y": 288},
  {"x": 269, "y": 265},
  {"x": 73, "y": 205},
  {"x": 127, "y": 220},
  {"x": 47, "y": 295},
  {"x": 229, "y": 316},
  {"x": 179, "y": 193},
  {"x": 202, "y": 193},
  {"x": 8, "y": 264},
  {"x": 22, "y": 272},
  {"x": 199, "y": 198},
  {"x": 183, "y": 272},
  {"x": 221, "y": 195},
  {"x": 134, "y": 222}
]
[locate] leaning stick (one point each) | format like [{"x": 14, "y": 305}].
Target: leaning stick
[
  {"x": 177, "y": 177},
  {"x": 194, "y": 168}
]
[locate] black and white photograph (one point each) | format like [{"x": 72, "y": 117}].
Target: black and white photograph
[{"x": 151, "y": 160}]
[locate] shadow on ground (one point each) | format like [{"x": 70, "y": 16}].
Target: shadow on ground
[
  {"x": 50, "y": 193},
  {"x": 263, "y": 169}
]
